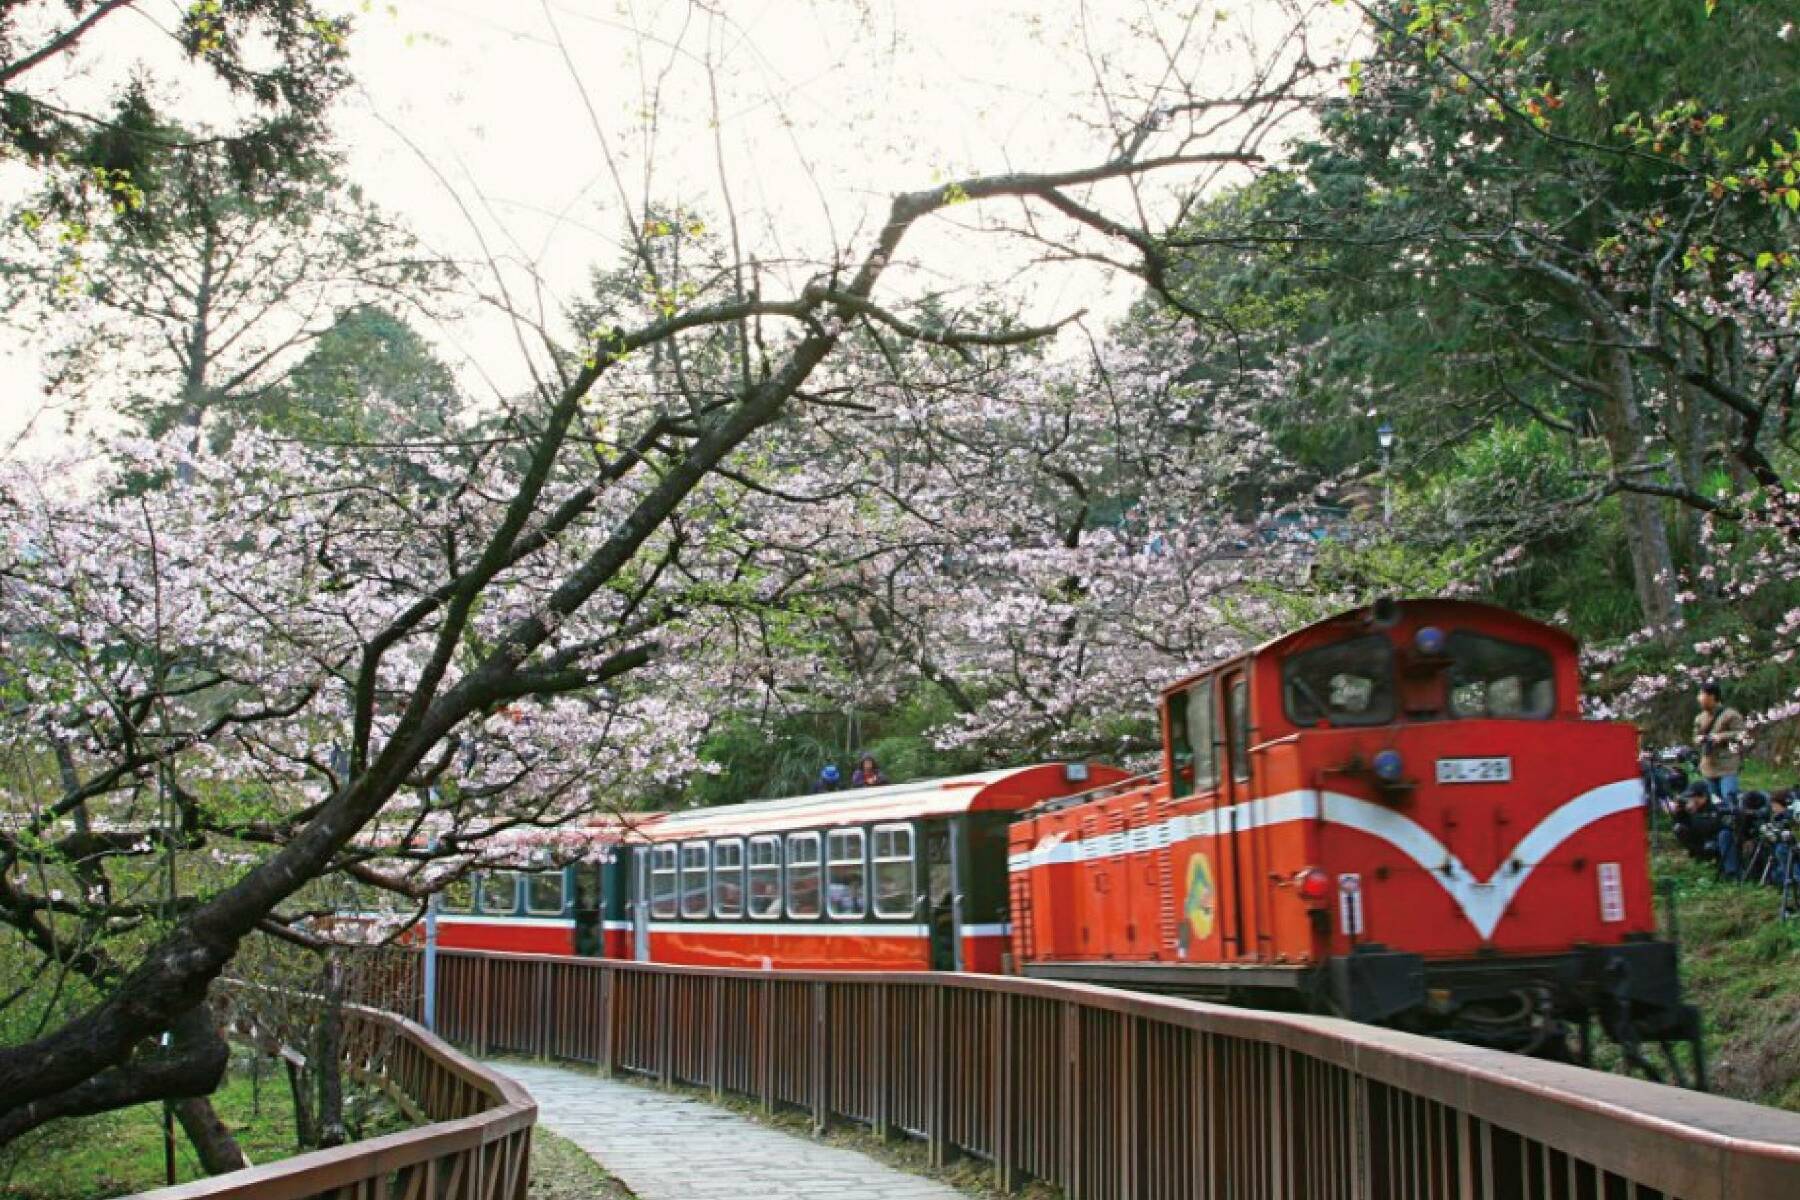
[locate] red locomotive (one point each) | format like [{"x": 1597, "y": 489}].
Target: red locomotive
[{"x": 1396, "y": 815}]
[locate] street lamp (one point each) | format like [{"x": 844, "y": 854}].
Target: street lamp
[{"x": 1384, "y": 437}]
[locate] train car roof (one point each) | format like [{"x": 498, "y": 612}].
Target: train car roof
[{"x": 1010, "y": 788}]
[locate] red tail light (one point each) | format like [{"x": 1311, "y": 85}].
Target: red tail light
[{"x": 1314, "y": 884}]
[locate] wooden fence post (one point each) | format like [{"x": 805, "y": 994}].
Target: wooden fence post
[
  {"x": 880, "y": 1053},
  {"x": 1005, "y": 1041},
  {"x": 765, "y": 1044},
  {"x": 821, "y": 1075},
  {"x": 715, "y": 1059},
  {"x": 609, "y": 997},
  {"x": 941, "y": 1150}
]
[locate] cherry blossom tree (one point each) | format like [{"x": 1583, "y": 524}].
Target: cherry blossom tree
[{"x": 366, "y": 662}]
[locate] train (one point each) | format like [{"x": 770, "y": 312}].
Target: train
[{"x": 1396, "y": 815}]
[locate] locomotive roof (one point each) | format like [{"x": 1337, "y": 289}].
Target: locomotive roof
[
  {"x": 1011, "y": 787},
  {"x": 1488, "y": 616}
]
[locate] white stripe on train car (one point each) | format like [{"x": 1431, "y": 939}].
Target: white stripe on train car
[
  {"x": 1004, "y": 929},
  {"x": 793, "y": 928},
  {"x": 445, "y": 918},
  {"x": 1482, "y": 901}
]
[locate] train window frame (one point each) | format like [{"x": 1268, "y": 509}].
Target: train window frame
[
  {"x": 487, "y": 878},
  {"x": 703, "y": 910},
  {"x": 659, "y": 910},
  {"x": 1386, "y": 675},
  {"x": 446, "y": 905},
  {"x": 795, "y": 870},
  {"x": 772, "y": 911},
  {"x": 562, "y": 893},
  {"x": 1238, "y": 718},
  {"x": 721, "y": 873},
  {"x": 859, "y": 865},
  {"x": 1196, "y": 703},
  {"x": 1461, "y": 638},
  {"x": 908, "y": 862}
]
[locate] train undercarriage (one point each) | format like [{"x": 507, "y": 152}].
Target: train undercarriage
[{"x": 1548, "y": 1006}]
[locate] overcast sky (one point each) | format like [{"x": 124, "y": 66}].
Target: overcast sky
[{"x": 489, "y": 126}]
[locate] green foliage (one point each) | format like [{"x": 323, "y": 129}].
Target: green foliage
[{"x": 122, "y": 1151}]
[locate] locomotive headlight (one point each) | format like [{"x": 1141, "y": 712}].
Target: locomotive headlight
[
  {"x": 1388, "y": 766},
  {"x": 1314, "y": 885},
  {"x": 1429, "y": 641}
]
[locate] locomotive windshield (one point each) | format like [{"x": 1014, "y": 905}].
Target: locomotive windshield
[
  {"x": 1494, "y": 678},
  {"x": 1345, "y": 683}
]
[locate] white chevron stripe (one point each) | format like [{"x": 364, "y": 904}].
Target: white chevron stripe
[{"x": 1483, "y": 902}]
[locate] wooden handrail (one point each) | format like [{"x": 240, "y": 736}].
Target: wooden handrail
[
  {"x": 1109, "y": 1093},
  {"x": 477, "y": 1147}
]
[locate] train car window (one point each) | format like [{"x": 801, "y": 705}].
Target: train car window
[
  {"x": 728, "y": 877},
  {"x": 696, "y": 880},
  {"x": 1345, "y": 683},
  {"x": 500, "y": 892},
  {"x": 765, "y": 876},
  {"x": 663, "y": 902},
  {"x": 544, "y": 894},
  {"x": 846, "y": 877},
  {"x": 1240, "y": 729},
  {"x": 1490, "y": 677},
  {"x": 458, "y": 896},
  {"x": 893, "y": 855},
  {"x": 803, "y": 875}
]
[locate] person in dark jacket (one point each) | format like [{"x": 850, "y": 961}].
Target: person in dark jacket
[
  {"x": 829, "y": 779},
  {"x": 1698, "y": 825},
  {"x": 867, "y": 774}
]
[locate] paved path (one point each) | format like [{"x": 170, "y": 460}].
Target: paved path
[{"x": 667, "y": 1147}]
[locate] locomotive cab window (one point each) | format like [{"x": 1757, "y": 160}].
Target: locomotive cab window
[
  {"x": 1193, "y": 737},
  {"x": 893, "y": 847},
  {"x": 803, "y": 875},
  {"x": 1240, "y": 729},
  {"x": 728, "y": 877},
  {"x": 544, "y": 894},
  {"x": 1345, "y": 683},
  {"x": 765, "y": 876},
  {"x": 846, "y": 895},
  {"x": 500, "y": 892},
  {"x": 696, "y": 880},
  {"x": 662, "y": 882},
  {"x": 1490, "y": 677}
]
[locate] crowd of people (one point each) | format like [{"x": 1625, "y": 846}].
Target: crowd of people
[{"x": 1749, "y": 836}]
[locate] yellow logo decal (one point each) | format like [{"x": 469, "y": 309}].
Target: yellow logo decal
[{"x": 1202, "y": 900}]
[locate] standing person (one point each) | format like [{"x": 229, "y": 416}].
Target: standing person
[
  {"x": 1719, "y": 730},
  {"x": 867, "y": 774},
  {"x": 829, "y": 779}
]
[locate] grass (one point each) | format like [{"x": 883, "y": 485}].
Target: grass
[
  {"x": 1741, "y": 966},
  {"x": 561, "y": 1170},
  {"x": 121, "y": 1152}
]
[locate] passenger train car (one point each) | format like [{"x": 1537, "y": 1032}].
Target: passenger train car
[{"x": 1396, "y": 815}]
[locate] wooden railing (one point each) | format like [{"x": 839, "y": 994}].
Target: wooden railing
[
  {"x": 1112, "y": 1094},
  {"x": 476, "y": 1146}
]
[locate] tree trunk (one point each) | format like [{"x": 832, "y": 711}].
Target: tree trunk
[
  {"x": 1646, "y": 531},
  {"x": 326, "y": 1059},
  {"x": 212, "y": 1141},
  {"x": 306, "y": 1130}
]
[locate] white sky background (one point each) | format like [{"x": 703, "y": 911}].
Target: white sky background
[{"x": 827, "y": 107}]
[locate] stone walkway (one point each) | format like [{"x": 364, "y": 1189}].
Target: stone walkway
[{"x": 667, "y": 1147}]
